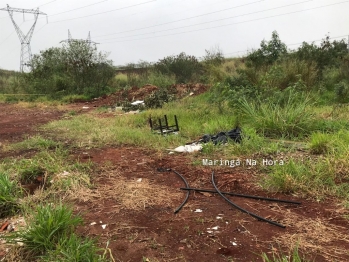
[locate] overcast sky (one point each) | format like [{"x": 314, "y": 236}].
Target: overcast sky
[{"x": 134, "y": 30}]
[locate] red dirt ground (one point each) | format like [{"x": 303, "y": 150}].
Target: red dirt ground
[{"x": 156, "y": 233}]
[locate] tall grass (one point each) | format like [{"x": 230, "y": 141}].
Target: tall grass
[
  {"x": 46, "y": 226},
  {"x": 291, "y": 118},
  {"x": 317, "y": 178}
]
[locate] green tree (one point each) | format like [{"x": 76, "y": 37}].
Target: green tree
[
  {"x": 75, "y": 68},
  {"x": 268, "y": 53}
]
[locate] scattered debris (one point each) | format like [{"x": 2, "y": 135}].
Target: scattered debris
[
  {"x": 139, "y": 180},
  {"x": 198, "y": 211},
  {"x": 93, "y": 223},
  {"x": 219, "y": 217},
  {"x": 163, "y": 128},
  {"x": 233, "y": 243},
  {"x": 85, "y": 107},
  {"x": 188, "y": 148},
  {"x": 4, "y": 226},
  {"x": 222, "y": 137},
  {"x": 138, "y": 102},
  {"x": 104, "y": 226}
]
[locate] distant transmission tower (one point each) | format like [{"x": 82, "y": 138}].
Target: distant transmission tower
[
  {"x": 26, "y": 54},
  {"x": 70, "y": 39}
]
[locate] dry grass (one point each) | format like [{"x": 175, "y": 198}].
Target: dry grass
[
  {"x": 133, "y": 194},
  {"x": 314, "y": 235}
]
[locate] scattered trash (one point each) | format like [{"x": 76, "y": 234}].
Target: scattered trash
[
  {"x": 188, "y": 148},
  {"x": 233, "y": 243},
  {"x": 210, "y": 232},
  {"x": 132, "y": 112},
  {"x": 4, "y": 226},
  {"x": 85, "y": 107},
  {"x": 164, "y": 128},
  {"x": 219, "y": 217},
  {"x": 93, "y": 223},
  {"x": 139, "y": 180},
  {"x": 104, "y": 226},
  {"x": 100, "y": 222},
  {"x": 10, "y": 228},
  {"x": 138, "y": 102},
  {"x": 198, "y": 211},
  {"x": 215, "y": 228},
  {"x": 222, "y": 137}
]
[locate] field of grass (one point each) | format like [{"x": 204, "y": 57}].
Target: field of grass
[{"x": 308, "y": 133}]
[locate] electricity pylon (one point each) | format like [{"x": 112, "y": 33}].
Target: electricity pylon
[
  {"x": 26, "y": 54},
  {"x": 70, "y": 39}
]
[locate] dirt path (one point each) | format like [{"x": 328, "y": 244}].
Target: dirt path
[{"x": 17, "y": 121}]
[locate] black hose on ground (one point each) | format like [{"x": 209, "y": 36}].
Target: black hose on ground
[
  {"x": 241, "y": 209},
  {"x": 241, "y": 195},
  {"x": 185, "y": 182}
]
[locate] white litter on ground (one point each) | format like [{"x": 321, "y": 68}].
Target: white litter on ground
[
  {"x": 188, "y": 148},
  {"x": 137, "y": 102}
]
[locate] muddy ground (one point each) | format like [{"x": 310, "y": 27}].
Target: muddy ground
[{"x": 131, "y": 207}]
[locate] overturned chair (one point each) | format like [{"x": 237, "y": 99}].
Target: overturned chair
[{"x": 162, "y": 126}]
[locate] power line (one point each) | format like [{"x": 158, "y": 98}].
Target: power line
[
  {"x": 47, "y": 3},
  {"x": 184, "y": 19},
  {"x": 257, "y": 19},
  {"x": 105, "y": 11},
  {"x": 77, "y": 8},
  {"x": 205, "y": 22},
  {"x": 10, "y": 35}
]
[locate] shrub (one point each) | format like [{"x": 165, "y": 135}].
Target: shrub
[
  {"x": 342, "y": 92},
  {"x": 183, "y": 66},
  {"x": 158, "y": 98}
]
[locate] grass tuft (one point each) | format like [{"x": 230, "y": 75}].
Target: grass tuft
[{"x": 9, "y": 192}]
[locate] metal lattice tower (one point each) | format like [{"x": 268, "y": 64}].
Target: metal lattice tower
[
  {"x": 26, "y": 54},
  {"x": 70, "y": 39}
]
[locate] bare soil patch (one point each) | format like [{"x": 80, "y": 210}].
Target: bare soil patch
[
  {"x": 17, "y": 121},
  {"x": 155, "y": 232}
]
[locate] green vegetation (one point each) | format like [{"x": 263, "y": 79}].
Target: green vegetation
[
  {"x": 9, "y": 193},
  {"x": 294, "y": 257},
  {"x": 47, "y": 226}
]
